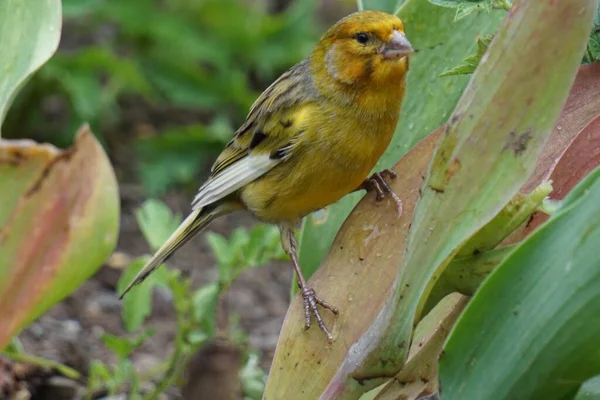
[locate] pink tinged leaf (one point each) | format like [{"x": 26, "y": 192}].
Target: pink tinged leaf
[
  {"x": 580, "y": 158},
  {"x": 58, "y": 223}
]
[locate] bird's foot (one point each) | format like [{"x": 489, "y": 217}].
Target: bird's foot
[
  {"x": 311, "y": 301},
  {"x": 378, "y": 183}
]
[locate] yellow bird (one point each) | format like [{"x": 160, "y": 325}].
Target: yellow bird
[{"x": 312, "y": 137}]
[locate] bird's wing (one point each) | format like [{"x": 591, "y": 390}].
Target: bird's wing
[{"x": 268, "y": 136}]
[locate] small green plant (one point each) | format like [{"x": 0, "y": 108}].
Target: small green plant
[
  {"x": 195, "y": 308},
  {"x": 111, "y": 380}
]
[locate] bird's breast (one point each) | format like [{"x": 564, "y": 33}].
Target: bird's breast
[{"x": 334, "y": 158}]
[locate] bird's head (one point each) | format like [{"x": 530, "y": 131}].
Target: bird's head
[{"x": 364, "y": 48}]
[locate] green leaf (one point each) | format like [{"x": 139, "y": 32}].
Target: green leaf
[
  {"x": 447, "y": 3},
  {"x": 137, "y": 305},
  {"x": 157, "y": 222},
  {"x": 465, "y": 274},
  {"x": 178, "y": 154},
  {"x": 123, "y": 347},
  {"x": 99, "y": 375},
  {"x": 239, "y": 239},
  {"x": 196, "y": 337},
  {"x": 30, "y": 32},
  {"x": 134, "y": 391},
  {"x": 264, "y": 245},
  {"x": 253, "y": 378},
  {"x": 540, "y": 341},
  {"x": 513, "y": 215},
  {"x": 390, "y": 6},
  {"x": 471, "y": 62},
  {"x": 466, "y": 9},
  {"x": 94, "y": 61},
  {"x": 220, "y": 248},
  {"x": 245, "y": 249},
  {"x": 204, "y": 303},
  {"x": 593, "y": 49},
  {"x": 257, "y": 244},
  {"x": 120, "y": 346},
  {"x": 122, "y": 373},
  {"x": 15, "y": 346},
  {"x": 83, "y": 90},
  {"x": 61, "y": 210},
  {"x": 441, "y": 44},
  {"x": 590, "y": 390}
]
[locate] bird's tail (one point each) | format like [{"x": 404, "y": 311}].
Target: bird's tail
[{"x": 192, "y": 225}]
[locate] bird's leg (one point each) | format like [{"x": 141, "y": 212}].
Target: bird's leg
[
  {"x": 288, "y": 240},
  {"x": 378, "y": 183}
]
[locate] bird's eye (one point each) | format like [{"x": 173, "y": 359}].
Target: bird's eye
[{"x": 362, "y": 38}]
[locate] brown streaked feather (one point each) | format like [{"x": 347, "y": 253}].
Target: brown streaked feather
[{"x": 274, "y": 105}]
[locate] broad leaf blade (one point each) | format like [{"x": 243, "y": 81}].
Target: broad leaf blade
[
  {"x": 540, "y": 341},
  {"x": 59, "y": 217},
  {"x": 493, "y": 139},
  {"x": 441, "y": 44},
  {"x": 30, "y": 32},
  {"x": 590, "y": 390}
]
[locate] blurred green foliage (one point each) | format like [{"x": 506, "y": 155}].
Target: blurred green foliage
[
  {"x": 174, "y": 76},
  {"x": 246, "y": 248},
  {"x": 110, "y": 379}
]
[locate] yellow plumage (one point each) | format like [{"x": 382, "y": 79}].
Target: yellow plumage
[{"x": 312, "y": 137}]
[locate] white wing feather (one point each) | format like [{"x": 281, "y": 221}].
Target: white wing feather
[{"x": 233, "y": 178}]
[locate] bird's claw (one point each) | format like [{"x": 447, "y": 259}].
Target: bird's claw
[
  {"x": 382, "y": 188},
  {"x": 311, "y": 301}
]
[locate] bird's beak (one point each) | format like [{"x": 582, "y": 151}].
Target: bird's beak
[{"x": 397, "y": 47}]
